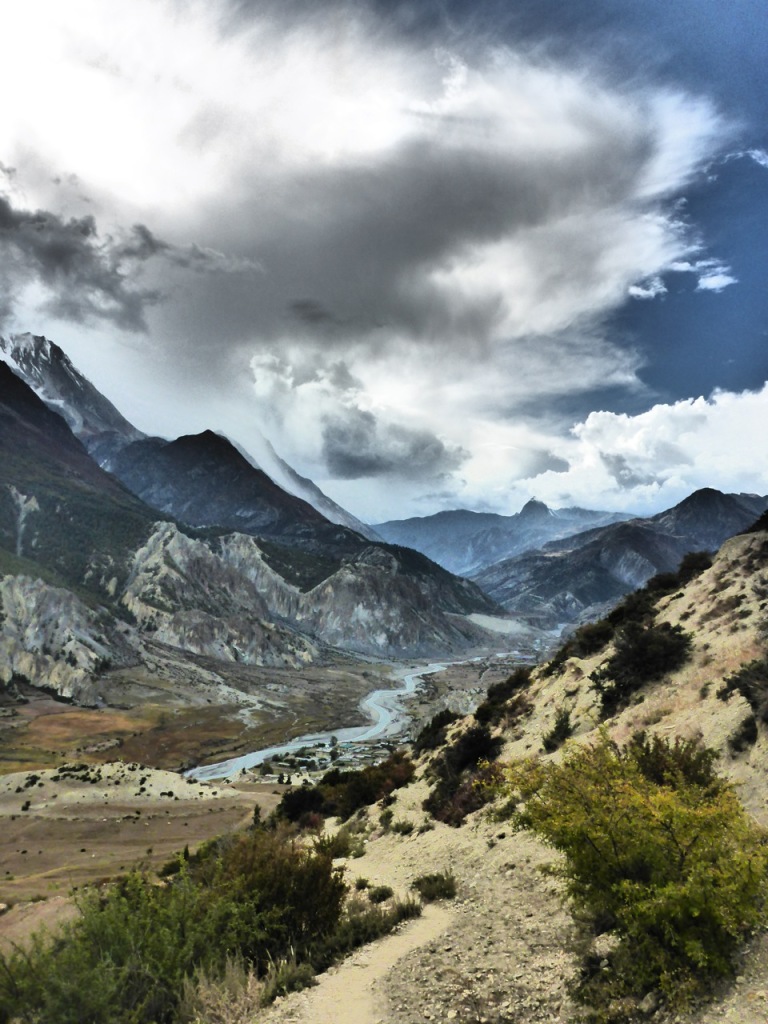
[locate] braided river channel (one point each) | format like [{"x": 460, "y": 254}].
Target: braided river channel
[{"x": 383, "y": 707}]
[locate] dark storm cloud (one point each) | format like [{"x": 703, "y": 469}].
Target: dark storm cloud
[
  {"x": 537, "y": 462},
  {"x": 312, "y": 312},
  {"x": 368, "y": 242},
  {"x": 358, "y": 445},
  {"x": 650, "y": 467},
  {"x": 85, "y": 275},
  {"x": 621, "y": 471},
  {"x": 88, "y": 276}
]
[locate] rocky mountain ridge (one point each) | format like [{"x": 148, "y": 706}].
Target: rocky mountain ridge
[
  {"x": 104, "y": 431},
  {"x": 577, "y": 578},
  {"x": 466, "y": 542}
]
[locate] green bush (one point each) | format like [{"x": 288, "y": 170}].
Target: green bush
[
  {"x": 402, "y": 827},
  {"x": 457, "y": 774},
  {"x": 440, "y": 885},
  {"x": 361, "y": 923},
  {"x": 341, "y": 793},
  {"x": 642, "y": 653},
  {"x": 338, "y": 844},
  {"x": 125, "y": 958},
  {"x": 583, "y": 642},
  {"x": 432, "y": 735},
  {"x": 380, "y": 893},
  {"x": 657, "y": 850},
  {"x": 559, "y": 732},
  {"x": 751, "y": 681},
  {"x": 494, "y": 708}
]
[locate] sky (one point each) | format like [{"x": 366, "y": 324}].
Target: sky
[{"x": 441, "y": 253}]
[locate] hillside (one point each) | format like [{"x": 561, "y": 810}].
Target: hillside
[{"x": 502, "y": 951}]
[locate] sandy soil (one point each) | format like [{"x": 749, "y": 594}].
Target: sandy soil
[
  {"x": 495, "y": 953},
  {"x": 84, "y": 824}
]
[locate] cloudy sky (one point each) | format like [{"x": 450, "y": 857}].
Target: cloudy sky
[{"x": 442, "y": 253}]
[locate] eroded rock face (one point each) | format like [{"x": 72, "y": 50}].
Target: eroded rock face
[
  {"x": 221, "y": 598},
  {"x": 50, "y": 638},
  {"x": 220, "y": 603}
]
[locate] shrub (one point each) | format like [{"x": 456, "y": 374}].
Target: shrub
[
  {"x": 360, "y": 923},
  {"x": 287, "y": 976},
  {"x": 339, "y": 844},
  {"x": 257, "y": 898},
  {"x": 380, "y": 893},
  {"x": 402, "y": 827},
  {"x": 341, "y": 793},
  {"x": 456, "y": 772},
  {"x": 751, "y": 681},
  {"x": 674, "y": 763},
  {"x": 744, "y": 736},
  {"x": 233, "y": 995},
  {"x": 642, "y": 653},
  {"x": 583, "y": 642},
  {"x": 658, "y": 850},
  {"x": 432, "y": 735},
  {"x": 559, "y": 732},
  {"x": 493, "y": 709},
  {"x": 440, "y": 885}
]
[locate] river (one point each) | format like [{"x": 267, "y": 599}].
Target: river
[{"x": 383, "y": 707}]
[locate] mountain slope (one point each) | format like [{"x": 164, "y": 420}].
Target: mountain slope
[
  {"x": 501, "y": 870},
  {"x": 104, "y": 431},
  {"x": 575, "y": 578},
  {"x": 48, "y": 371},
  {"x": 466, "y": 542},
  {"x": 90, "y": 577},
  {"x": 203, "y": 480},
  {"x": 57, "y": 506},
  {"x": 302, "y": 487}
]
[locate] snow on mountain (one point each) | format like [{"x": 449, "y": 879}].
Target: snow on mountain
[{"x": 104, "y": 431}]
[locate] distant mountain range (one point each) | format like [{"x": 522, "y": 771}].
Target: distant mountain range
[
  {"x": 465, "y": 542},
  {"x": 578, "y": 577},
  {"x": 224, "y": 564},
  {"x": 121, "y": 549}
]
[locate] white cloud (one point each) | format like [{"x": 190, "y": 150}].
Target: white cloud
[
  {"x": 407, "y": 247},
  {"x": 713, "y": 275},
  {"x": 759, "y": 156},
  {"x": 653, "y": 460},
  {"x": 715, "y": 281},
  {"x": 649, "y": 289}
]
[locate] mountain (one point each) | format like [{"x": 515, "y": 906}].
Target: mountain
[
  {"x": 466, "y": 542},
  {"x": 104, "y": 431},
  {"x": 203, "y": 480},
  {"x": 57, "y": 506},
  {"x": 48, "y": 371},
  {"x": 93, "y": 578},
  {"x": 715, "y": 697},
  {"x": 302, "y": 487},
  {"x": 577, "y": 577}
]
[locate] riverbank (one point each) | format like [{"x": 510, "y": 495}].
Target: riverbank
[{"x": 395, "y": 715}]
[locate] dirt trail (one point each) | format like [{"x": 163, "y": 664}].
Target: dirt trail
[
  {"x": 495, "y": 953},
  {"x": 349, "y": 993}
]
